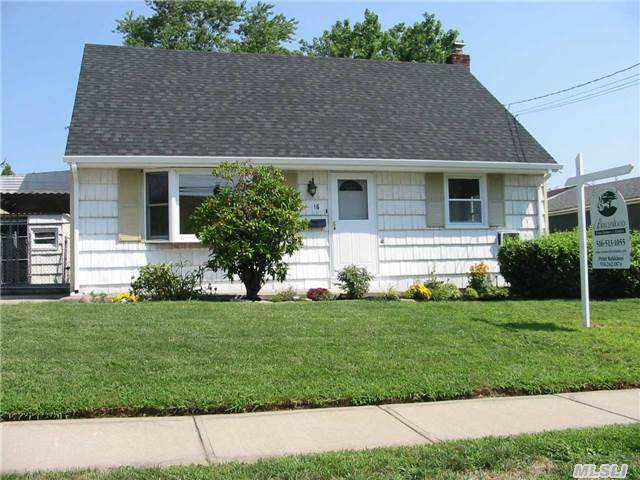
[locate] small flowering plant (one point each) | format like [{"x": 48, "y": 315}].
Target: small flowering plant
[
  {"x": 418, "y": 291},
  {"x": 478, "y": 277},
  {"x": 319, "y": 294},
  {"x": 126, "y": 297}
]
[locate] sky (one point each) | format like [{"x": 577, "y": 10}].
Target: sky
[{"x": 518, "y": 50}]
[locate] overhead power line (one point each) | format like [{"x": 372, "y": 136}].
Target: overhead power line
[
  {"x": 579, "y": 94},
  {"x": 601, "y": 93},
  {"x": 573, "y": 87}
]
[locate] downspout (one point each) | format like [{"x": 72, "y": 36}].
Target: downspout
[
  {"x": 547, "y": 176},
  {"x": 75, "y": 237}
]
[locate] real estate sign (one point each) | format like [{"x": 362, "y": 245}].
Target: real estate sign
[{"x": 610, "y": 223}]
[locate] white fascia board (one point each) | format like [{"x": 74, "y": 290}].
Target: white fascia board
[{"x": 319, "y": 163}]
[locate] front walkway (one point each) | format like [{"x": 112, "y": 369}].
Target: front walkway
[
  {"x": 30, "y": 298},
  {"x": 154, "y": 441}
]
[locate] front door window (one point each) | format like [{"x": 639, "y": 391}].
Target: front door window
[{"x": 352, "y": 200}]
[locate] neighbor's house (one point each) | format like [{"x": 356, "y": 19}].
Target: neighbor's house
[
  {"x": 405, "y": 168},
  {"x": 563, "y": 210},
  {"x": 35, "y": 233}
]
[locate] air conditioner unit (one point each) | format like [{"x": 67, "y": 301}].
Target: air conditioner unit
[{"x": 504, "y": 235}]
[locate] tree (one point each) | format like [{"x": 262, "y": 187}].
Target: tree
[
  {"x": 424, "y": 41},
  {"x": 365, "y": 39},
  {"x": 262, "y": 32},
  {"x": 6, "y": 169},
  {"x": 184, "y": 25},
  {"x": 229, "y": 26},
  {"x": 212, "y": 25},
  {"x": 250, "y": 224}
]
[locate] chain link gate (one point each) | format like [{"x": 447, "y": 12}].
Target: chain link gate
[
  {"x": 35, "y": 255},
  {"x": 15, "y": 252}
]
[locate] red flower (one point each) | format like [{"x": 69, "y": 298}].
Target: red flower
[{"x": 312, "y": 293}]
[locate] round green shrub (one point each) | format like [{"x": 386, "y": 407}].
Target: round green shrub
[
  {"x": 390, "y": 295},
  {"x": 286, "y": 295},
  {"x": 445, "y": 291},
  {"x": 354, "y": 281},
  {"x": 548, "y": 267},
  {"x": 168, "y": 281},
  {"x": 495, "y": 293},
  {"x": 471, "y": 293}
]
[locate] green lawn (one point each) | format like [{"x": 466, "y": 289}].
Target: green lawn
[
  {"x": 61, "y": 359},
  {"x": 550, "y": 455}
]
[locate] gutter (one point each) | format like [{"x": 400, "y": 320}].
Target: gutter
[{"x": 312, "y": 163}]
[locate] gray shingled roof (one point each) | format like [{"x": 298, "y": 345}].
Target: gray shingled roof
[
  {"x": 37, "y": 182},
  {"x": 141, "y": 101},
  {"x": 567, "y": 200}
]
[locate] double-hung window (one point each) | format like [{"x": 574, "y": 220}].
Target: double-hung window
[
  {"x": 464, "y": 202},
  {"x": 171, "y": 198},
  {"x": 157, "y": 198}
]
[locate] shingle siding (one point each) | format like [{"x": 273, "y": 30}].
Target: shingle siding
[{"x": 407, "y": 250}]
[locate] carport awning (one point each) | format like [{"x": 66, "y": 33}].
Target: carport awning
[
  {"x": 38, "y": 182},
  {"x": 34, "y": 203}
]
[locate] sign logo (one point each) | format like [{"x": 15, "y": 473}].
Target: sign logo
[
  {"x": 610, "y": 223},
  {"x": 606, "y": 205},
  {"x": 606, "y": 470}
]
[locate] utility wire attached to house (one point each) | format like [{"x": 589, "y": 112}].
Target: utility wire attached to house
[
  {"x": 600, "y": 90},
  {"x": 565, "y": 101}
]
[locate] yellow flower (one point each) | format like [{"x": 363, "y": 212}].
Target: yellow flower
[
  {"x": 418, "y": 291},
  {"x": 126, "y": 297},
  {"x": 479, "y": 270}
]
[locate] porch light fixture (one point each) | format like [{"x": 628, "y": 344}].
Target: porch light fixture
[{"x": 312, "y": 187}]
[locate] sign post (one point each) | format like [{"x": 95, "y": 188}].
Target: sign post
[
  {"x": 582, "y": 239},
  {"x": 579, "y": 181}
]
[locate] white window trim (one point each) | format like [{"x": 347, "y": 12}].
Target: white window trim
[
  {"x": 45, "y": 246},
  {"x": 174, "y": 204},
  {"x": 483, "y": 201}
]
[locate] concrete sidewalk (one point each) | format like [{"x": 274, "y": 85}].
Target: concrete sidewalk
[{"x": 208, "y": 439}]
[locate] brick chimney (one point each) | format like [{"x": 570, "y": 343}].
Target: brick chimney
[{"x": 458, "y": 57}]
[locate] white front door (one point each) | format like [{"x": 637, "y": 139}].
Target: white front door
[{"x": 354, "y": 234}]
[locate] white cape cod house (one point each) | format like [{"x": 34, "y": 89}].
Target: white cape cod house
[{"x": 405, "y": 168}]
